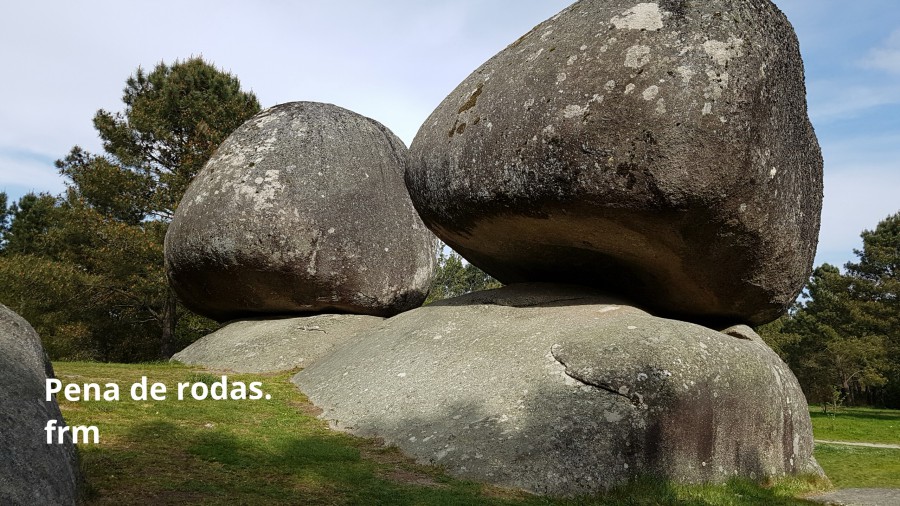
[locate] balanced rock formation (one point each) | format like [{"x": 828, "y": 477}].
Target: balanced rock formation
[
  {"x": 660, "y": 150},
  {"x": 31, "y": 471},
  {"x": 560, "y": 390},
  {"x": 276, "y": 344},
  {"x": 302, "y": 209}
]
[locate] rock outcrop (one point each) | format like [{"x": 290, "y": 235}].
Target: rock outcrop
[
  {"x": 658, "y": 154},
  {"x": 272, "y": 345},
  {"x": 302, "y": 209},
  {"x": 560, "y": 390},
  {"x": 31, "y": 471},
  {"x": 660, "y": 150}
]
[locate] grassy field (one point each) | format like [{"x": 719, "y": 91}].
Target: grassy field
[
  {"x": 852, "y": 466},
  {"x": 857, "y": 424},
  {"x": 855, "y": 467},
  {"x": 276, "y": 451}
]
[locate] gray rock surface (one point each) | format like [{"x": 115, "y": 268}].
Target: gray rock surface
[
  {"x": 660, "y": 150},
  {"x": 303, "y": 209},
  {"x": 271, "y": 345},
  {"x": 860, "y": 497},
  {"x": 560, "y": 390},
  {"x": 31, "y": 471}
]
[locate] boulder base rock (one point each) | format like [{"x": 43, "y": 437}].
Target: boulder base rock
[
  {"x": 660, "y": 150},
  {"x": 271, "y": 345},
  {"x": 31, "y": 471},
  {"x": 560, "y": 390},
  {"x": 303, "y": 209}
]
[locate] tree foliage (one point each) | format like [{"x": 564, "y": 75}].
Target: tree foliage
[
  {"x": 846, "y": 335},
  {"x": 174, "y": 118},
  {"x": 100, "y": 244},
  {"x": 455, "y": 277},
  {"x": 27, "y": 222},
  {"x": 5, "y": 213}
]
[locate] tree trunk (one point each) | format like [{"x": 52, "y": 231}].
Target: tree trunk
[
  {"x": 847, "y": 391},
  {"x": 169, "y": 321}
]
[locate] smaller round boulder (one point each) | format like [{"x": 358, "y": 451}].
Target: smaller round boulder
[{"x": 303, "y": 209}]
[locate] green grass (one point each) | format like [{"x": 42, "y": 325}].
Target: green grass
[
  {"x": 272, "y": 452},
  {"x": 858, "y": 425},
  {"x": 856, "y": 467},
  {"x": 859, "y": 467}
]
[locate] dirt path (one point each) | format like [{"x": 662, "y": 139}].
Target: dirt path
[
  {"x": 867, "y": 445},
  {"x": 860, "y": 497}
]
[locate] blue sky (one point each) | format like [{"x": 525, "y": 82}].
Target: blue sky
[
  {"x": 852, "y": 57},
  {"x": 395, "y": 61}
]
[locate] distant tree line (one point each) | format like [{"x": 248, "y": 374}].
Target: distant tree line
[
  {"x": 86, "y": 267},
  {"x": 455, "y": 277},
  {"x": 842, "y": 337}
]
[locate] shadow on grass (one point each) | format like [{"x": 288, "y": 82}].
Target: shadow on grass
[
  {"x": 163, "y": 463},
  {"x": 651, "y": 492},
  {"x": 214, "y": 466}
]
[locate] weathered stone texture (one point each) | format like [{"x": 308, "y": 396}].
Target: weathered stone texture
[
  {"x": 660, "y": 150},
  {"x": 303, "y": 209},
  {"x": 560, "y": 390},
  {"x": 31, "y": 471},
  {"x": 272, "y": 345}
]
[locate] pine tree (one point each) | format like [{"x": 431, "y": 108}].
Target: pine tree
[
  {"x": 103, "y": 239},
  {"x": 174, "y": 119},
  {"x": 845, "y": 334}
]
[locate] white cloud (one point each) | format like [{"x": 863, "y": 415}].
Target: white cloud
[
  {"x": 856, "y": 199},
  {"x": 855, "y": 86},
  {"x": 394, "y": 61},
  {"x": 831, "y": 100},
  {"x": 887, "y": 56},
  {"x": 23, "y": 172},
  {"x": 847, "y": 149}
]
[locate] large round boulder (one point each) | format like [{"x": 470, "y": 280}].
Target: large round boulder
[
  {"x": 661, "y": 150},
  {"x": 31, "y": 471},
  {"x": 303, "y": 209},
  {"x": 564, "y": 391}
]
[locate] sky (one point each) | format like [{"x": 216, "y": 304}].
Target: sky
[{"x": 395, "y": 61}]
